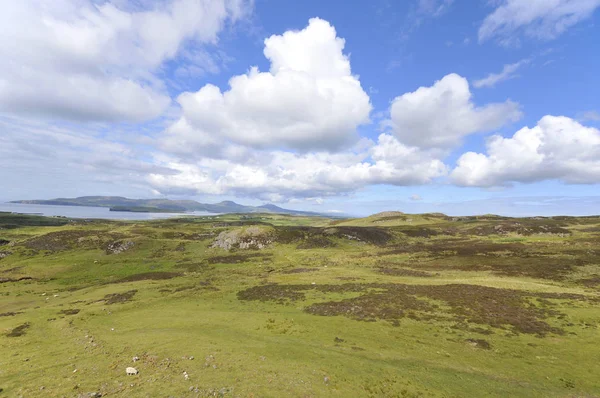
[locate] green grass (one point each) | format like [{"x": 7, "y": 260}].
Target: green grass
[{"x": 277, "y": 341}]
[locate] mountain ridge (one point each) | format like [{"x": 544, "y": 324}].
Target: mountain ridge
[{"x": 226, "y": 206}]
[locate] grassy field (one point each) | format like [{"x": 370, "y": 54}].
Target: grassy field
[{"x": 393, "y": 305}]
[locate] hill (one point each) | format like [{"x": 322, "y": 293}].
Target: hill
[
  {"x": 275, "y": 305},
  {"x": 119, "y": 203}
]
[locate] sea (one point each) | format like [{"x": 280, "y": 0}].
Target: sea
[{"x": 91, "y": 212}]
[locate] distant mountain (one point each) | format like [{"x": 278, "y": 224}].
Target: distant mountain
[{"x": 119, "y": 203}]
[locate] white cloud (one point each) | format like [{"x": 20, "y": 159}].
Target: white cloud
[
  {"x": 591, "y": 115},
  {"x": 415, "y": 197},
  {"x": 418, "y": 13},
  {"x": 309, "y": 175},
  {"x": 556, "y": 148},
  {"x": 39, "y": 160},
  {"x": 279, "y": 135},
  {"x": 309, "y": 99},
  {"x": 86, "y": 60},
  {"x": 508, "y": 72},
  {"x": 441, "y": 115},
  {"x": 434, "y": 7},
  {"x": 539, "y": 19}
]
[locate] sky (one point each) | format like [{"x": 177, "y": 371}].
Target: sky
[{"x": 353, "y": 107}]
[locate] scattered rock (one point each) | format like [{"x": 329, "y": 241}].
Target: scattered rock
[
  {"x": 480, "y": 343},
  {"x": 135, "y": 359},
  {"x": 119, "y": 247},
  {"x": 249, "y": 238},
  {"x": 90, "y": 395},
  {"x": 4, "y": 254}
]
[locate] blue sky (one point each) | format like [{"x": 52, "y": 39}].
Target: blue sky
[{"x": 338, "y": 106}]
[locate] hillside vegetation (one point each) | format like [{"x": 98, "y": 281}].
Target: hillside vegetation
[{"x": 267, "y": 305}]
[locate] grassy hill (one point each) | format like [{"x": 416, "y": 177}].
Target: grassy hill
[{"x": 271, "y": 305}]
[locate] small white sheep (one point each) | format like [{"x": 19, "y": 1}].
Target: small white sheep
[
  {"x": 185, "y": 375},
  {"x": 131, "y": 371}
]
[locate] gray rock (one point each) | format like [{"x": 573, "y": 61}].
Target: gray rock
[
  {"x": 119, "y": 247},
  {"x": 5, "y": 254}
]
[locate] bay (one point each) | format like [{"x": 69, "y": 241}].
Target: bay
[{"x": 90, "y": 212}]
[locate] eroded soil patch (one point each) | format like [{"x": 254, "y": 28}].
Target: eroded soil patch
[
  {"x": 299, "y": 270},
  {"x": 149, "y": 276},
  {"x": 115, "y": 298},
  {"x": 19, "y": 330},
  {"x": 22, "y": 278},
  {"x": 9, "y": 314},
  {"x": 73, "y": 311},
  {"x": 239, "y": 258},
  {"x": 404, "y": 272}
]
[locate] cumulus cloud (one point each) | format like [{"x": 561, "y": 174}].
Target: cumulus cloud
[
  {"x": 86, "y": 60},
  {"x": 539, "y": 19},
  {"x": 441, "y": 115},
  {"x": 556, "y": 148},
  {"x": 508, "y": 72},
  {"x": 283, "y": 175},
  {"x": 308, "y": 100},
  {"x": 287, "y": 133}
]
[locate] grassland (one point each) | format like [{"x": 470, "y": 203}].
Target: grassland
[{"x": 392, "y": 305}]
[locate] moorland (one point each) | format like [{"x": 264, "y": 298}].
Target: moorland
[{"x": 269, "y": 305}]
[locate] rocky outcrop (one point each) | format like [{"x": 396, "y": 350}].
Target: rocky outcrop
[
  {"x": 119, "y": 247},
  {"x": 249, "y": 238}
]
